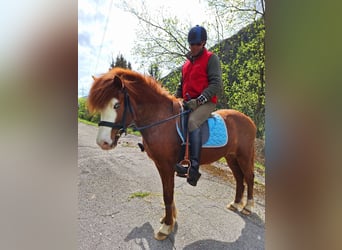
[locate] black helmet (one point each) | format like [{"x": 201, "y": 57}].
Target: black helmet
[{"x": 197, "y": 34}]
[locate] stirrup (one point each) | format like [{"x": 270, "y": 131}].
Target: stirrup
[{"x": 181, "y": 170}]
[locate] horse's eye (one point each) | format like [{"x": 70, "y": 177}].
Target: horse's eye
[{"x": 116, "y": 105}]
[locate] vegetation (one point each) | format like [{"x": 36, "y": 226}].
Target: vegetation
[
  {"x": 162, "y": 44},
  {"x": 83, "y": 112},
  {"x": 243, "y": 73},
  {"x": 120, "y": 62},
  {"x": 162, "y": 41},
  {"x": 139, "y": 195},
  {"x": 86, "y": 122}
]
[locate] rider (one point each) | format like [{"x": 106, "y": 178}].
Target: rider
[{"x": 200, "y": 84}]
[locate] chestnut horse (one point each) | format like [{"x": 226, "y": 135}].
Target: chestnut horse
[{"x": 124, "y": 97}]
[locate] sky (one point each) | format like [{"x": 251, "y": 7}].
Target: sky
[{"x": 104, "y": 30}]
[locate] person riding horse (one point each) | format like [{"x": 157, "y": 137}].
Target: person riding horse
[{"x": 199, "y": 87}]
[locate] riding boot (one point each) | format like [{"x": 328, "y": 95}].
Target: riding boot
[
  {"x": 179, "y": 168},
  {"x": 195, "y": 155}
]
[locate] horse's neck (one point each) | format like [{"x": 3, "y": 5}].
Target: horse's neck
[
  {"x": 153, "y": 111},
  {"x": 157, "y": 136}
]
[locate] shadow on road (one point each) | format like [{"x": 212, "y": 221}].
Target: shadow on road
[{"x": 143, "y": 237}]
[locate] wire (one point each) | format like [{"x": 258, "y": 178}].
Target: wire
[{"x": 104, "y": 34}]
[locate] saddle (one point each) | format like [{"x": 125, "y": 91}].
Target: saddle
[
  {"x": 214, "y": 134},
  {"x": 214, "y": 131}
]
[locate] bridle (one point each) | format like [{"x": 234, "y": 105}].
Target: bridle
[
  {"x": 122, "y": 125},
  {"x": 122, "y": 128}
]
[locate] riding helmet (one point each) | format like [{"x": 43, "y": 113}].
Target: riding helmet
[{"x": 197, "y": 34}]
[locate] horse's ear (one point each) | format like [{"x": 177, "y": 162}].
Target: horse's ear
[
  {"x": 117, "y": 81},
  {"x": 94, "y": 78}
]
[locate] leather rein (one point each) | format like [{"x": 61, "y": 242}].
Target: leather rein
[{"x": 128, "y": 108}]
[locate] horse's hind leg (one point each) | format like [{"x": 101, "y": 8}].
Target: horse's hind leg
[{"x": 237, "y": 204}]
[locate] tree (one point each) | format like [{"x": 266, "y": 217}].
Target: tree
[
  {"x": 162, "y": 41},
  {"x": 162, "y": 38},
  {"x": 83, "y": 111},
  {"x": 120, "y": 62},
  {"x": 244, "y": 75},
  {"x": 154, "y": 71}
]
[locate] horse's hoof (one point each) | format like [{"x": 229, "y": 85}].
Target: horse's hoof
[
  {"x": 164, "y": 232},
  {"x": 245, "y": 211},
  {"x": 232, "y": 208},
  {"x": 160, "y": 236},
  {"x": 235, "y": 207}
]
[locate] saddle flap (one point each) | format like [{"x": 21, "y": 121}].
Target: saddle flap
[{"x": 214, "y": 132}]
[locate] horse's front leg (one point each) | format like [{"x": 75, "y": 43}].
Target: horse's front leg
[{"x": 168, "y": 221}]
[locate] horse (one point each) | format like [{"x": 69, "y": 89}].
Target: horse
[{"x": 125, "y": 97}]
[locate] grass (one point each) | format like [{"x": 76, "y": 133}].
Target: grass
[
  {"x": 260, "y": 168},
  {"x": 139, "y": 195},
  {"x": 87, "y": 122},
  {"x": 129, "y": 130},
  {"x": 258, "y": 182},
  {"x": 256, "y": 164},
  {"x": 222, "y": 160}
]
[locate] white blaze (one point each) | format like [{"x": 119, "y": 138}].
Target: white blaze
[{"x": 108, "y": 114}]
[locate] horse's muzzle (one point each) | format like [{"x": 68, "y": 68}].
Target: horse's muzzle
[{"x": 110, "y": 144}]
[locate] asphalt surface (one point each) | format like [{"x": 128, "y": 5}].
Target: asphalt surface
[{"x": 112, "y": 215}]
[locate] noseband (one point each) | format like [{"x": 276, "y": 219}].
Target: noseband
[{"x": 122, "y": 125}]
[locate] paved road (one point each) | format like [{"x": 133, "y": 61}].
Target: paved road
[{"x": 112, "y": 216}]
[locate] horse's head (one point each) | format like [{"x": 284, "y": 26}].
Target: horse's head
[{"x": 110, "y": 98}]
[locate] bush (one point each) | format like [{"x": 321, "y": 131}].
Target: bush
[{"x": 83, "y": 111}]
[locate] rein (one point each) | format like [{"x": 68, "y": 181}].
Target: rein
[
  {"x": 160, "y": 122},
  {"x": 127, "y": 106}
]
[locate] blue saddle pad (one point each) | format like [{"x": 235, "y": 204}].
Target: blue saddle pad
[
  {"x": 217, "y": 130},
  {"x": 218, "y": 134}
]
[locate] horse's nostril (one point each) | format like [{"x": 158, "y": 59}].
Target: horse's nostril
[
  {"x": 106, "y": 144},
  {"x": 103, "y": 144}
]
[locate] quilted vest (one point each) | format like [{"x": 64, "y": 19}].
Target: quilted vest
[{"x": 195, "y": 77}]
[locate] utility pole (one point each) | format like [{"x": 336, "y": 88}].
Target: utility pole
[{"x": 82, "y": 91}]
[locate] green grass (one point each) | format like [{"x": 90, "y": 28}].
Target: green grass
[
  {"x": 259, "y": 166},
  {"x": 222, "y": 160},
  {"x": 87, "y": 122},
  {"x": 139, "y": 195},
  {"x": 129, "y": 130},
  {"x": 256, "y": 164},
  {"x": 258, "y": 182}
]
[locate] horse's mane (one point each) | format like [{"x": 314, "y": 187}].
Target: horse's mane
[{"x": 141, "y": 86}]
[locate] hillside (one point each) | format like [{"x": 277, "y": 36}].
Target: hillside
[{"x": 243, "y": 65}]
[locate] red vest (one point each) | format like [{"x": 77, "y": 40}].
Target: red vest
[{"x": 195, "y": 77}]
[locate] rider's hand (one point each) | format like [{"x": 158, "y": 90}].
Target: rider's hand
[{"x": 192, "y": 104}]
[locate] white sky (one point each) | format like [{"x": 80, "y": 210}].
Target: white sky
[{"x": 105, "y": 30}]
